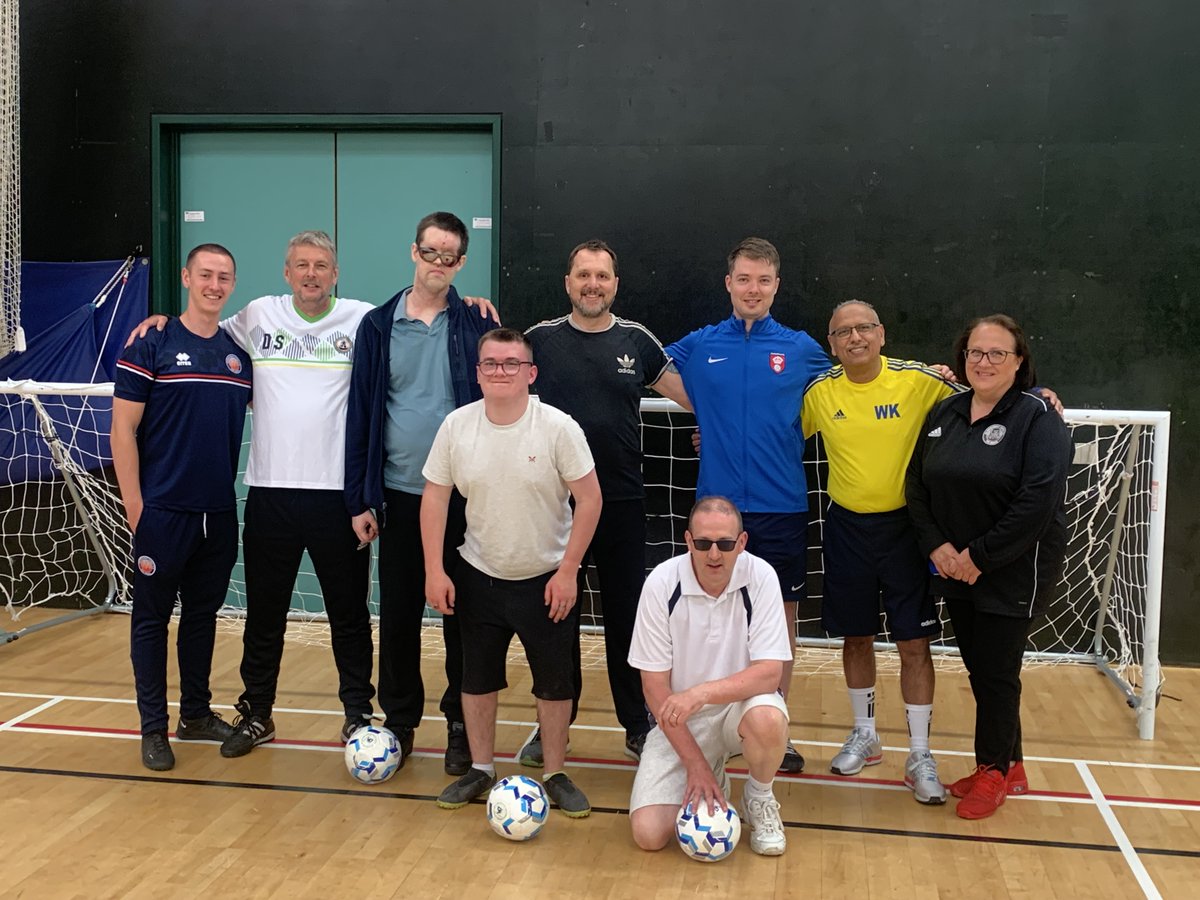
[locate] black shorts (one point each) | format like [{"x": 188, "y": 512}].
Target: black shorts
[
  {"x": 781, "y": 539},
  {"x": 868, "y": 555},
  {"x": 490, "y": 611}
]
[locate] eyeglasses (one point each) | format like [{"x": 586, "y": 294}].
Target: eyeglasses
[
  {"x": 507, "y": 366},
  {"x": 864, "y": 329},
  {"x": 705, "y": 544},
  {"x": 430, "y": 255},
  {"x": 995, "y": 357}
]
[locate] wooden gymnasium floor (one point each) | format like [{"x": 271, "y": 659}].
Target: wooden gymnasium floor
[{"x": 1108, "y": 816}]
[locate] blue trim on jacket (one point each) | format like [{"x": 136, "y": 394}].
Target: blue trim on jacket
[{"x": 366, "y": 410}]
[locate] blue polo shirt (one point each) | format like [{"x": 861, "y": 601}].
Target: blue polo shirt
[{"x": 420, "y": 395}]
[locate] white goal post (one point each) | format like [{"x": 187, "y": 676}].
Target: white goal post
[{"x": 65, "y": 539}]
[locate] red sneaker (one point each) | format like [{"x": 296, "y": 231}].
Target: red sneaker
[
  {"x": 1017, "y": 782},
  {"x": 986, "y": 796}
]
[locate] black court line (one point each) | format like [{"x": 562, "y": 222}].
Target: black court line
[{"x": 608, "y": 810}]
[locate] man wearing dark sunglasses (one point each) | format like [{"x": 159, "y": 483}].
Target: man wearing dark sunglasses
[
  {"x": 414, "y": 363},
  {"x": 711, "y": 641}
]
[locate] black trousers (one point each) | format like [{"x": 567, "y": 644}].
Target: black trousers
[
  {"x": 281, "y": 523},
  {"x": 186, "y": 556},
  {"x": 618, "y": 551},
  {"x": 402, "y": 608},
  {"x": 991, "y": 648}
]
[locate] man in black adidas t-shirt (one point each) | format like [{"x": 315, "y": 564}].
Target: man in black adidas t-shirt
[{"x": 594, "y": 365}]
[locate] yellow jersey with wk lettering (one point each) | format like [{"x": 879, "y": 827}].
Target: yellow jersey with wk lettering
[{"x": 869, "y": 430}]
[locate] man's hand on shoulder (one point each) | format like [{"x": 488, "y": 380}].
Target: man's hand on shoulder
[
  {"x": 485, "y": 307},
  {"x": 158, "y": 322}
]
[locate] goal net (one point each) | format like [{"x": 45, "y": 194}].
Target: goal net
[
  {"x": 65, "y": 540},
  {"x": 1107, "y": 609},
  {"x": 10, "y": 180}
]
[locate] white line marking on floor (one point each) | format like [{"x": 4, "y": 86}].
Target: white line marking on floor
[{"x": 1118, "y": 833}]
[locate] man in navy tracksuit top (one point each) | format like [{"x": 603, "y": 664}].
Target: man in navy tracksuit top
[
  {"x": 179, "y": 405},
  {"x": 414, "y": 362},
  {"x": 746, "y": 378}
]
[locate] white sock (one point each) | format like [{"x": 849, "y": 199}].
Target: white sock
[
  {"x": 919, "y": 716},
  {"x": 757, "y": 788},
  {"x": 486, "y": 767},
  {"x": 862, "y": 702}
]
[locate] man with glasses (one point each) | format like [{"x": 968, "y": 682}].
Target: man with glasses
[
  {"x": 518, "y": 462},
  {"x": 746, "y": 378},
  {"x": 593, "y": 366},
  {"x": 869, "y": 410},
  {"x": 711, "y": 641},
  {"x": 414, "y": 363}
]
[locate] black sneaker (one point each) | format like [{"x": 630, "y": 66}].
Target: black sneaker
[
  {"x": 473, "y": 784},
  {"x": 352, "y": 724},
  {"x": 157, "y": 754},
  {"x": 249, "y": 731},
  {"x": 569, "y": 799},
  {"x": 208, "y": 728},
  {"x": 634, "y": 745},
  {"x": 458, "y": 749},
  {"x": 404, "y": 737},
  {"x": 793, "y": 762}
]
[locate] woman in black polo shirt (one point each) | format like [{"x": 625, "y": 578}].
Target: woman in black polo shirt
[{"x": 985, "y": 489}]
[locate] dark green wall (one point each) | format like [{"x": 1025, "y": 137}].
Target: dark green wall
[{"x": 942, "y": 159}]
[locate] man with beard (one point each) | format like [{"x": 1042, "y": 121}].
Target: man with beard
[{"x": 593, "y": 365}]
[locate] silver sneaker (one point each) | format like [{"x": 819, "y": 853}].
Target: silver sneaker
[
  {"x": 920, "y": 774},
  {"x": 766, "y": 828},
  {"x": 862, "y": 748}
]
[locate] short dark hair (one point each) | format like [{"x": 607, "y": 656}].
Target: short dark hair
[
  {"x": 755, "y": 248},
  {"x": 446, "y": 221},
  {"x": 716, "y": 504},
  {"x": 596, "y": 246},
  {"x": 209, "y": 248},
  {"x": 1026, "y": 374},
  {"x": 504, "y": 336}
]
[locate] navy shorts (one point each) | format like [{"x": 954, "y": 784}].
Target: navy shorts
[
  {"x": 868, "y": 555},
  {"x": 782, "y": 540},
  {"x": 490, "y": 611}
]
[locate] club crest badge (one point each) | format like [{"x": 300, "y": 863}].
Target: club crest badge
[
  {"x": 778, "y": 362},
  {"x": 146, "y": 566},
  {"x": 233, "y": 364},
  {"x": 994, "y": 434}
]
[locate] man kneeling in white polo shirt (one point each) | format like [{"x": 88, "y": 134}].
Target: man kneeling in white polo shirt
[{"x": 710, "y": 640}]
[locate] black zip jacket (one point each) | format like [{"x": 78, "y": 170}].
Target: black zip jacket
[{"x": 997, "y": 488}]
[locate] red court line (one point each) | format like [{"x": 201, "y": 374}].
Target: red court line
[{"x": 630, "y": 764}]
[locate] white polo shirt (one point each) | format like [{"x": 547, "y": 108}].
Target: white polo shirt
[{"x": 707, "y": 638}]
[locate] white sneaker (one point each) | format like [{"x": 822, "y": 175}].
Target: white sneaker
[
  {"x": 862, "y": 748},
  {"x": 766, "y": 828},
  {"x": 920, "y": 774}
]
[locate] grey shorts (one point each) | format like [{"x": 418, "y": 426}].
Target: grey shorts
[{"x": 661, "y": 777}]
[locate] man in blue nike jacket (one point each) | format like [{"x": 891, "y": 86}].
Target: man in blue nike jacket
[{"x": 746, "y": 378}]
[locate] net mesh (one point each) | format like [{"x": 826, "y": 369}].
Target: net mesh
[
  {"x": 10, "y": 178},
  {"x": 50, "y": 554}
]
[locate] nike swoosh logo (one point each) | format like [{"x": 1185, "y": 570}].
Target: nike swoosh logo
[
  {"x": 796, "y": 587},
  {"x": 718, "y": 359}
]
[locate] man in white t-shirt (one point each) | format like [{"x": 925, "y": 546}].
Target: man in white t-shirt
[
  {"x": 302, "y": 346},
  {"x": 519, "y": 463},
  {"x": 711, "y": 640}
]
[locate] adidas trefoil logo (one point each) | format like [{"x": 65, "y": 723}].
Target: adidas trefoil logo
[
  {"x": 182, "y": 359},
  {"x": 937, "y": 432},
  {"x": 625, "y": 364},
  {"x": 839, "y": 416}
]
